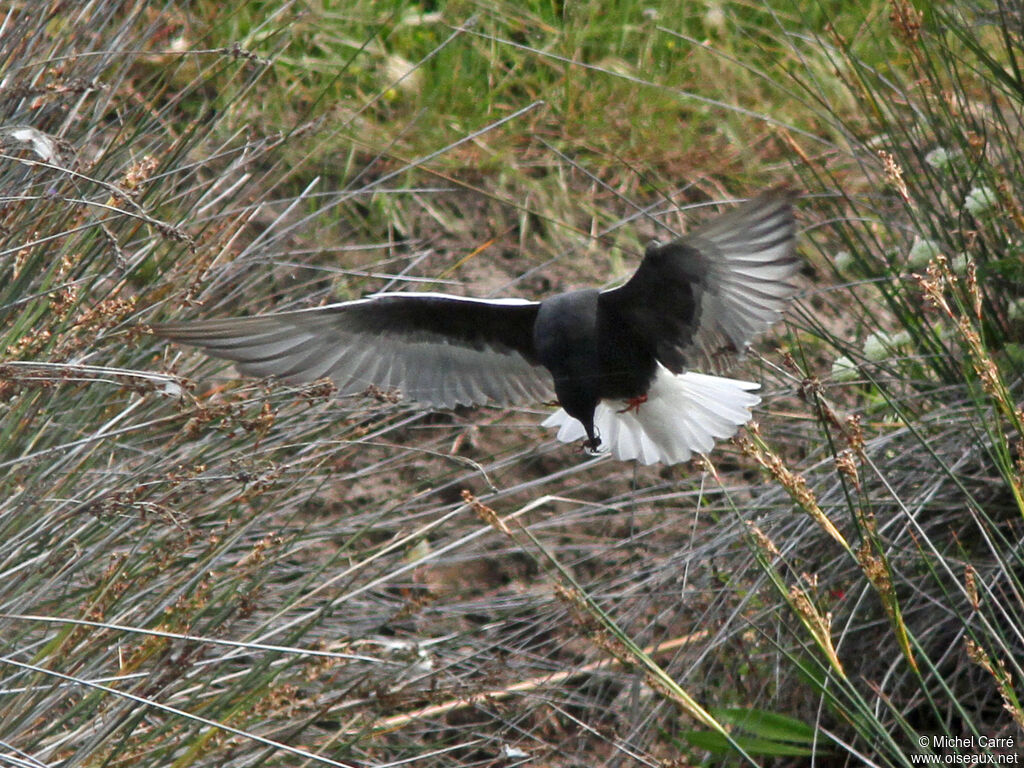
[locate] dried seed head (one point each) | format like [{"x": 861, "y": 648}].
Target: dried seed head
[
  {"x": 764, "y": 543},
  {"x": 847, "y": 467},
  {"x": 818, "y": 623},
  {"x": 854, "y": 433},
  {"x": 971, "y": 585},
  {"x": 894, "y": 174},
  {"x": 485, "y": 513},
  {"x": 794, "y": 484},
  {"x": 906, "y": 20},
  {"x": 875, "y": 570}
]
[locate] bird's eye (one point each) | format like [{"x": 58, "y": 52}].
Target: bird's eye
[{"x": 652, "y": 247}]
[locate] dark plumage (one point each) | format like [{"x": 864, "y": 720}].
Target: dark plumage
[{"x": 618, "y": 360}]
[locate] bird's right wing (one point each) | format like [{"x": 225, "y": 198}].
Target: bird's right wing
[
  {"x": 706, "y": 295},
  {"x": 434, "y": 348}
]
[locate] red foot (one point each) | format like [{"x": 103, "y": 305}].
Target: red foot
[{"x": 634, "y": 403}]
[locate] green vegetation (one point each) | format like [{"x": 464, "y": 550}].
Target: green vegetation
[{"x": 201, "y": 570}]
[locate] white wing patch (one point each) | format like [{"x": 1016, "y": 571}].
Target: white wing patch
[
  {"x": 508, "y": 301},
  {"x": 684, "y": 414}
]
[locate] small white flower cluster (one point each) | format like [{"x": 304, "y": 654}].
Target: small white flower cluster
[
  {"x": 980, "y": 199},
  {"x": 844, "y": 369},
  {"x": 922, "y": 252},
  {"x": 878, "y": 346},
  {"x": 939, "y": 158},
  {"x": 1016, "y": 310},
  {"x": 843, "y": 260}
]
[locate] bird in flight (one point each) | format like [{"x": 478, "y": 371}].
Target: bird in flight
[{"x": 620, "y": 361}]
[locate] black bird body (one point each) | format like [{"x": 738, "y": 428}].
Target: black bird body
[
  {"x": 566, "y": 338},
  {"x": 592, "y": 353},
  {"x": 619, "y": 361}
]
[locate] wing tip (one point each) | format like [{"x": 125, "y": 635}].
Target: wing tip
[{"x": 170, "y": 331}]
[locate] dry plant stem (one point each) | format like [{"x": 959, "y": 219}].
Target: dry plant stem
[
  {"x": 1002, "y": 677},
  {"x": 602, "y": 628},
  {"x": 869, "y": 556},
  {"x": 795, "y": 485},
  {"x": 532, "y": 684},
  {"x": 398, "y": 545},
  {"x": 799, "y": 599},
  {"x": 211, "y": 724},
  {"x": 938, "y": 280},
  {"x": 935, "y": 284}
]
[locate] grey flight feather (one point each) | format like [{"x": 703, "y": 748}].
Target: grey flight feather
[
  {"x": 704, "y": 297},
  {"x": 438, "y": 350}
]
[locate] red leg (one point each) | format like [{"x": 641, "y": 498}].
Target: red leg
[{"x": 634, "y": 403}]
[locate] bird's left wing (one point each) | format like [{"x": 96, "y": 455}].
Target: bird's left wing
[
  {"x": 434, "y": 348},
  {"x": 708, "y": 294}
]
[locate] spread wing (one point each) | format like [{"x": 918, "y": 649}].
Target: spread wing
[
  {"x": 708, "y": 294},
  {"x": 437, "y": 349}
]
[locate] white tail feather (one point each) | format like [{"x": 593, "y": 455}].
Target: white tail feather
[{"x": 683, "y": 415}]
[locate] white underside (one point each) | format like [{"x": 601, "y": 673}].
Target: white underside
[{"x": 683, "y": 415}]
